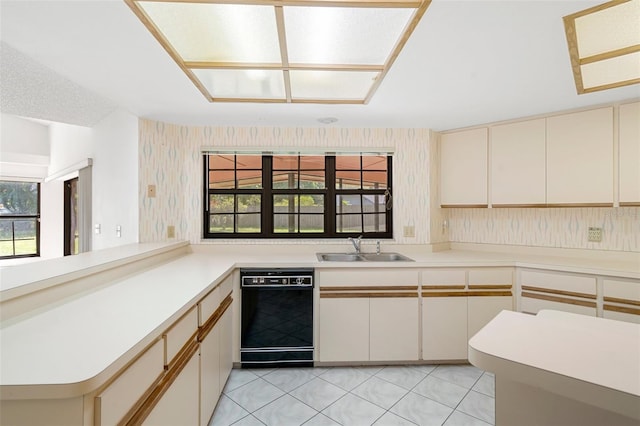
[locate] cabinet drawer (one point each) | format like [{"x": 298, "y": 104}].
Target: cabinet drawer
[
  {"x": 487, "y": 277},
  {"x": 621, "y": 300},
  {"x": 226, "y": 286},
  {"x": 627, "y": 291},
  {"x": 112, "y": 404},
  {"x": 569, "y": 285},
  {"x": 208, "y": 305},
  {"x": 452, "y": 279},
  {"x": 367, "y": 277},
  {"x": 180, "y": 333}
]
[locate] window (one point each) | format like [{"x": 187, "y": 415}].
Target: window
[
  {"x": 19, "y": 219},
  {"x": 297, "y": 196}
]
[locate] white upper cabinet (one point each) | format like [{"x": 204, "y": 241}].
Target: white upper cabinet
[
  {"x": 518, "y": 163},
  {"x": 580, "y": 158},
  {"x": 629, "y": 169},
  {"x": 463, "y": 167}
]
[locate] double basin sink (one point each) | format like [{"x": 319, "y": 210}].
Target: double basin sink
[{"x": 363, "y": 257}]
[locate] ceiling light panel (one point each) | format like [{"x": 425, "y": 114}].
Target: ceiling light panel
[
  {"x": 604, "y": 45},
  {"x": 243, "y": 84},
  {"x": 217, "y": 32},
  {"x": 343, "y": 35},
  {"x": 330, "y": 85},
  {"x": 282, "y": 50}
]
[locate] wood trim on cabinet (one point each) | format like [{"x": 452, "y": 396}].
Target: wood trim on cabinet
[
  {"x": 580, "y": 205},
  {"x": 464, "y": 206},
  {"x": 465, "y": 293},
  {"x": 206, "y": 328},
  {"x": 443, "y": 287},
  {"x": 629, "y": 203},
  {"x": 489, "y": 293},
  {"x": 364, "y": 295},
  {"x": 368, "y": 288},
  {"x": 623, "y": 309},
  {"x": 624, "y": 301},
  {"x": 559, "y": 299},
  {"x": 509, "y": 206},
  {"x": 444, "y": 294},
  {"x": 561, "y": 292},
  {"x": 165, "y": 383},
  {"x": 489, "y": 286}
]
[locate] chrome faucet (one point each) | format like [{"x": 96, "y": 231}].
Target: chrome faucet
[{"x": 356, "y": 243}]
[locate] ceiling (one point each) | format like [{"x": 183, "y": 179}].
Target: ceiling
[{"x": 467, "y": 63}]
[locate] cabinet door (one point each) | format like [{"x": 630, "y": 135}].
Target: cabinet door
[
  {"x": 209, "y": 374},
  {"x": 562, "y": 292},
  {"x": 180, "y": 405},
  {"x": 463, "y": 168},
  {"x": 629, "y": 170},
  {"x": 518, "y": 170},
  {"x": 394, "y": 329},
  {"x": 119, "y": 397},
  {"x": 226, "y": 345},
  {"x": 344, "y": 329},
  {"x": 444, "y": 328},
  {"x": 482, "y": 309},
  {"x": 621, "y": 300},
  {"x": 580, "y": 158}
]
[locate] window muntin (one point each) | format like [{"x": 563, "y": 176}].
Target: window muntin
[
  {"x": 299, "y": 196},
  {"x": 19, "y": 219}
]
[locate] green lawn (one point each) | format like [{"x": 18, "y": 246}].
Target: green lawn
[{"x": 22, "y": 247}]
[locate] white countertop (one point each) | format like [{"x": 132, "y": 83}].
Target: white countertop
[
  {"x": 593, "y": 360},
  {"x": 72, "y": 348}
]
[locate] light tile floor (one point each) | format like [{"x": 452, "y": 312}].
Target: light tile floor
[{"x": 449, "y": 395}]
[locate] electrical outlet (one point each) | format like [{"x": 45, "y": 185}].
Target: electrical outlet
[
  {"x": 151, "y": 191},
  {"x": 409, "y": 231},
  {"x": 595, "y": 234},
  {"x": 171, "y": 231}
]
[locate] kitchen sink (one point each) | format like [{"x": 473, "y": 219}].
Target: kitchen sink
[
  {"x": 339, "y": 257},
  {"x": 386, "y": 257},
  {"x": 363, "y": 257}
]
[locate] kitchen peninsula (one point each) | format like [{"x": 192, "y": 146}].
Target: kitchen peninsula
[{"x": 76, "y": 331}]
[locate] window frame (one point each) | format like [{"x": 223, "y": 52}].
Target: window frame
[
  {"x": 18, "y": 217},
  {"x": 330, "y": 193}
]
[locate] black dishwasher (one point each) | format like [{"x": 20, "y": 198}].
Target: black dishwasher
[{"x": 277, "y": 317}]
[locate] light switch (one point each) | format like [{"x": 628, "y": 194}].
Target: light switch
[
  {"x": 118, "y": 231},
  {"x": 97, "y": 228},
  {"x": 171, "y": 231}
]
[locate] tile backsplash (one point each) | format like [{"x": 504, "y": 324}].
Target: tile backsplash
[{"x": 548, "y": 227}]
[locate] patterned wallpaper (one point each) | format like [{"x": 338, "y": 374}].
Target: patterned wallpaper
[
  {"x": 170, "y": 159},
  {"x": 548, "y": 227}
]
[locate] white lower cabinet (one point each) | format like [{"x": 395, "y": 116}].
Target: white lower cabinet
[
  {"x": 444, "y": 328},
  {"x": 393, "y": 329},
  {"x": 209, "y": 374},
  {"x": 482, "y": 309},
  {"x": 112, "y": 404},
  {"x": 344, "y": 329},
  {"x": 560, "y": 291},
  {"x": 621, "y": 300},
  {"x": 180, "y": 405},
  {"x": 226, "y": 348}
]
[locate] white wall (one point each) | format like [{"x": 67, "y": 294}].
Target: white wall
[
  {"x": 69, "y": 145},
  {"x": 24, "y": 148},
  {"x": 112, "y": 145},
  {"x": 115, "y": 179}
]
